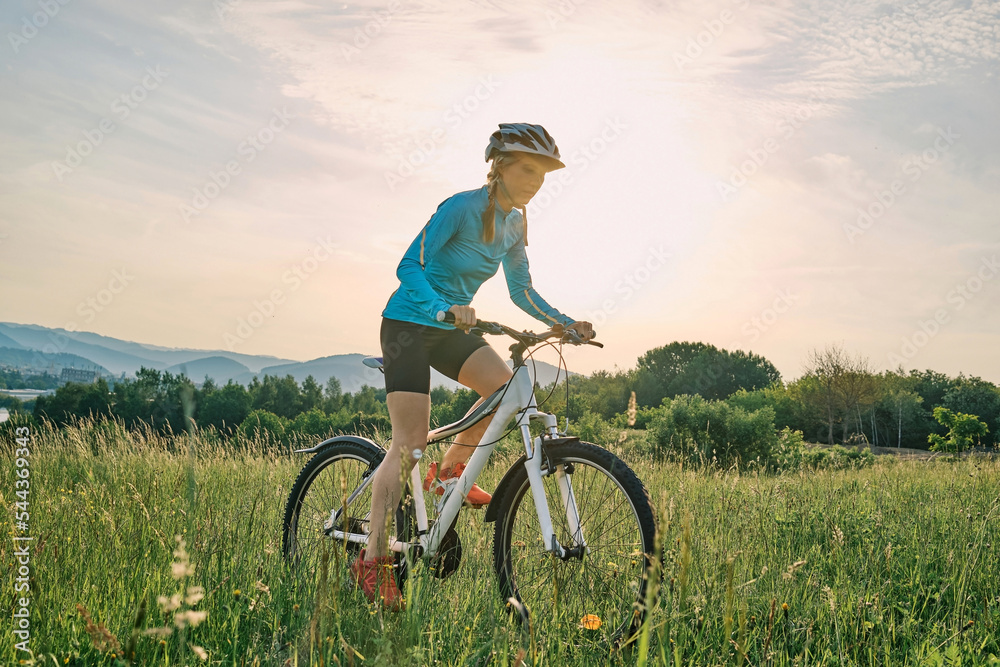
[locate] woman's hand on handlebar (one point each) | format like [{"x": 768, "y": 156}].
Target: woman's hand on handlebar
[
  {"x": 465, "y": 316},
  {"x": 584, "y": 330}
]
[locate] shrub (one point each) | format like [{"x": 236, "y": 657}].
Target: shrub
[
  {"x": 788, "y": 450},
  {"x": 591, "y": 428},
  {"x": 264, "y": 427},
  {"x": 693, "y": 429},
  {"x": 314, "y": 424},
  {"x": 836, "y": 458}
]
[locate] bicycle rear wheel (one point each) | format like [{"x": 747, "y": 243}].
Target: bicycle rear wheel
[
  {"x": 597, "y": 593},
  {"x": 316, "y": 503}
]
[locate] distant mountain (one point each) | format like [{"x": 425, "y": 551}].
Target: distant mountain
[
  {"x": 220, "y": 369},
  {"x": 116, "y": 357},
  {"x": 7, "y": 341},
  {"x": 62, "y": 341},
  {"x": 119, "y": 356}
]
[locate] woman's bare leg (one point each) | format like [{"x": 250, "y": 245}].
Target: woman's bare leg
[
  {"x": 409, "y": 413},
  {"x": 483, "y": 372}
]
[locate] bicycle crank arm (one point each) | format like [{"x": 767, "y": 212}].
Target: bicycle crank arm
[{"x": 360, "y": 538}]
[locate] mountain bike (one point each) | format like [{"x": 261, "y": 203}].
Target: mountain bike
[{"x": 574, "y": 529}]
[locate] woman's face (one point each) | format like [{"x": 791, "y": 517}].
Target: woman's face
[{"x": 523, "y": 178}]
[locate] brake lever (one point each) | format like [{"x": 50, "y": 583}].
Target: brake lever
[{"x": 577, "y": 339}]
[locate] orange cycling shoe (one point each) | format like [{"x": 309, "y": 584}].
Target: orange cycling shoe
[
  {"x": 377, "y": 581},
  {"x": 477, "y": 498}
]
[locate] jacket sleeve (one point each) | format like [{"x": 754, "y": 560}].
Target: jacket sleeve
[
  {"x": 439, "y": 229},
  {"x": 515, "y": 270}
]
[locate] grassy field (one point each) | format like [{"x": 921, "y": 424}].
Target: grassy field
[{"x": 890, "y": 565}]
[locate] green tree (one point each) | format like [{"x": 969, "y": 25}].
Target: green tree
[
  {"x": 963, "y": 429},
  {"x": 449, "y": 406},
  {"x": 788, "y": 412},
  {"x": 698, "y": 368},
  {"x": 75, "y": 400},
  {"x": 312, "y": 395},
  {"x": 975, "y": 396},
  {"x": 366, "y": 401},
  {"x": 840, "y": 388},
  {"x": 280, "y": 396},
  {"x": 333, "y": 396},
  {"x": 264, "y": 427},
  {"x": 153, "y": 398},
  {"x": 904, "y": 408},
  {"x": 225, "y": 408}
]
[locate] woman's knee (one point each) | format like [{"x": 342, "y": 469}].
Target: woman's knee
[{"x": 484, "y": 371}]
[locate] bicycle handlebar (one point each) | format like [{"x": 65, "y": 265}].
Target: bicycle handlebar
[{"x": 526, "y": 337}]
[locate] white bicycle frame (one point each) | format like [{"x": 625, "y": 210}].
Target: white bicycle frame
[{"x": 519, "y": 391}]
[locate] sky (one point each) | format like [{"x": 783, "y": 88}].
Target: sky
[{"x": 772, "y": 177}]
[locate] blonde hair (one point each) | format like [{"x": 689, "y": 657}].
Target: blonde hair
[{"x": 500, "y": 162}]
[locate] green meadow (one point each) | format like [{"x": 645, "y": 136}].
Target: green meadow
[{"x": 158, "y": 550}]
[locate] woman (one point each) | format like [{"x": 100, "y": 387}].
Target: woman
[{"x": 466, "y": 240}]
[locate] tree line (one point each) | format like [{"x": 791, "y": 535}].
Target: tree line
[{"x": 839, "y": 399}]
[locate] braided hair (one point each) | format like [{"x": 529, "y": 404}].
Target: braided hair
[{"x": 501, "y": 160}]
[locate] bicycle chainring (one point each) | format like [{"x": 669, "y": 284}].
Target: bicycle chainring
[{"x": 449, "y": 555}]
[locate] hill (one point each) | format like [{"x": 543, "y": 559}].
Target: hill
[
  {"x": 220, "y": 369},
  {"x": 119, "y": 356},
  {"x": 115, "y": 357}
]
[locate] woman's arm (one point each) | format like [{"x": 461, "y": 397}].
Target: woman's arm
[
  {"x": 515, "y": 270},
  {"x": 438, "y": 230}
]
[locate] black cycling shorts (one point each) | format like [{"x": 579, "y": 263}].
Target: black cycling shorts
[{"x": 409, "y": 351}]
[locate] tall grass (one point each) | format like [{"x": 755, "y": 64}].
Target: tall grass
[{"x": 890, "y": 565}]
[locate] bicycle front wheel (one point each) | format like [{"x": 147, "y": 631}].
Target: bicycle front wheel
[{"x": 598, "y": 591}]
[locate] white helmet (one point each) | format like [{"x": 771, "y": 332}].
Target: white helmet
[{"x": 524, "y": 138}]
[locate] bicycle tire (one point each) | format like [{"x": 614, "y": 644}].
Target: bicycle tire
[
  {"x": 321, "y": 486},
  {"x": 604, "y": 586}
]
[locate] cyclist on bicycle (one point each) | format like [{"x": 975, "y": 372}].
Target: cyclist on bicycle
[{"x": 469, "y": 236}]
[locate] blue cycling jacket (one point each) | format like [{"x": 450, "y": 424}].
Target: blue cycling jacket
[{"x": 448, "y": 262}]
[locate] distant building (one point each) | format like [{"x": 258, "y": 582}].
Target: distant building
[{"x": 78, "y": 375}]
